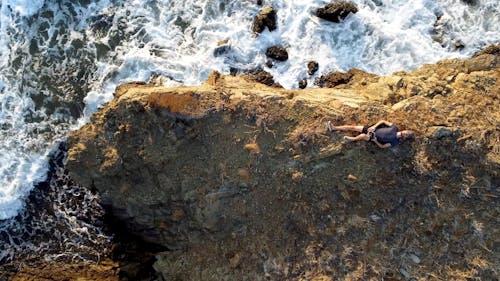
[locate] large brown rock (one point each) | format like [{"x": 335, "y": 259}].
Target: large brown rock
[
  {"x": 265, "y": 18},
  {"x": 336, "y": 11},
  {"x": 277, "y": 52},
  {"x": 242, "y": 181}
]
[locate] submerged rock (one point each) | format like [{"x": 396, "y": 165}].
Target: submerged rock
[
  {"x": 336, "y": 11},
  {"x": 277, "y": 52},
  {"x": 265, "y": 18},
  {"x": 223, "y": 47},
  {"x": 241, "y": 181}
]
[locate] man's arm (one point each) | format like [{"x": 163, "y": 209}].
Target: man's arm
[
  {"x": 385, "y": 145},
  {"x": 372, "y": 128}
]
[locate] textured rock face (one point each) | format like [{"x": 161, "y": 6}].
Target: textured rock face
[
  {"x": 333, "y": 79},
  {"x": 262, "y": 77},
  {"x": 312, "y": 67},
  {"x": 265, "y": 18},
  {"x": 277, "y": 52},
  {"x": 336, "y": 11},
  {"x": 243, "y": 182}
]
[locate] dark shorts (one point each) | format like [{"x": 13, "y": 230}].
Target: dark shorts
[{"x": 365, "y": 131}]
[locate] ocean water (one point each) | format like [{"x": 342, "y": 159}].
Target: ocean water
[{"x": 60, "y": 60}]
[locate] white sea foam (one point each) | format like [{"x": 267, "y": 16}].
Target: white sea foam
[
  {"x": 61, "y": 60},
  {"x": 23, "y": 7}
]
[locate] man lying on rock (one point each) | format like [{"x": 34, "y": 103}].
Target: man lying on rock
[{"x": 384, "y": 134}]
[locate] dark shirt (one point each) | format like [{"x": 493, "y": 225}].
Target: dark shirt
[{"x": 387, "y": 135}]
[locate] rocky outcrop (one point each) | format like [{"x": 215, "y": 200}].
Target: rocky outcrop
[
  {"x": 265, "y": 18},
  {"x": 277, "y": 52},
  {"x": 490, "y": 50},
  {"x": 336, "y": 11},
  {"x": 242, "y": 181}
]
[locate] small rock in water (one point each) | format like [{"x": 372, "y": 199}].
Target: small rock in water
[
  {"x": 459, "y": 45},
  {"x": 277, "y": 53},
  {"x": 336, "y": 11},
  {"x": 303, "y": 84},
  {"x": 312, "y": 67}
]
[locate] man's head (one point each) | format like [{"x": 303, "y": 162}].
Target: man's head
[{"x": 407, "y": 135}]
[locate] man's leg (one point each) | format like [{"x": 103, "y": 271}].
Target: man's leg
[
  {"x": 345, "y": 128},
  {"x": 365, "y": 137}
]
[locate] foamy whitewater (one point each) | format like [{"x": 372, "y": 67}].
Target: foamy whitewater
[{"x": 62, "y": 59}]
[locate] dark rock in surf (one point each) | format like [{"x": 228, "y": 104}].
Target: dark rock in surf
[
  {"x": 302, "y": 84},
  {"x": 470, "y": 2},
  {"x": 265, "y": 18},
  {"x": 336, "y": 11},
  {"x": 263, "y": 77},
  {"x": 459, "y": 44},
  {"x": 312, "y": 67},
  {"x": 277, "y": 53},
  {"x": 223, "y": 47}
]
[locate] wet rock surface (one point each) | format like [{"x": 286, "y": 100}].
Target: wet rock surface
[
  {"x": 243, "y": 181},
  {"x": 312, "y": 67},
  {"x": 336, "y": 11},
  {"x": 277, "y": 52},
  {"x": 302, "y": 84},
  {"x": 265, "y": 18}
]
